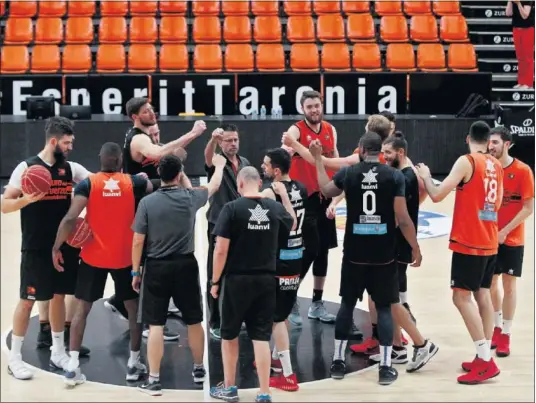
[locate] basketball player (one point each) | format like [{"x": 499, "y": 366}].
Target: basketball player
[
  {"x": 247, "y": 242},
  {"x": 40, "y": 217},
  {"x": 392, "y": 121},
  {"x": 478, "y": 180},
  {"x": 170, "y": 269},
  {"x": 320, "y": 233},
  {"x": 109, "y": 199},
  {"x": 375, "y": 196},
  {"x": 517, "y": 206},
  {"x": 276, "y": 166}
]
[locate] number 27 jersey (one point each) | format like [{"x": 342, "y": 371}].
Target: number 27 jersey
[{"x": 475, "y": 221}]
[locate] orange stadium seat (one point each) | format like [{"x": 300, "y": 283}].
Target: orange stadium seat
[
  {"x": 264, "y": 7},
  {"x": 453, "y": 28},
  {"x": 79, "y": 30},
  {"x": 442, "y": 7},
  {"x": 49, "y": 31},
  {"x": 18, "y": 31},
  {"x": 400, "y": 57},
  {"x": 387, "y": 7},
  {"x": 330, "y": 28},
  {"x": 423, "y": 28},
  {"x": 52, "y": 8},
  {"x": 300, "y": 29},
  {"x": 81, "y": 8},
  {"x": 112, "y": 30},
  {"x": 361, "y": 28},
  {"x": 237, "y": 29},
  {"x": 394, "y": 28},
  {"x": 141, "y": 58},
  {"x": 143, "y": 7},
  {"x": 45, "y": 59},
  {"x": 267, "y": 29},
  {"x": 335, "y": 57},
  {"x": 414, "y": 7},
  {"x": 462, "y": 57},
  {"x": 304, "y": 57},
  {"x": 111, "y": 58},
  {"x": 22, "y": 8},
  {"x": 2, "y": 7},
  {"x": 431, "y": 57},
  {"x": 327, "y": 7},
  {"x": 203, "y": 8},
  {"x": 207, "y": 30},
  {"x": 143, "y": 30},
  {"x": 14, "y": 60},
  {"x": 296, "y": 7},
  {"x": 113, "y": 8},
  {"x": 173, "y": 58},
  {"x": 173, "y": 7},
  {"x": 76, "y": 59},
  {"x": 173, "y": 29},
  {"x": 355, "y": 7},
  {"x": 270, "y": 57},
  {"x": 367, "y": 57},
  {"x": 234, "y": 7},
  {"x": 239, "y": 58},
  {"x": 208, "y": 58}
]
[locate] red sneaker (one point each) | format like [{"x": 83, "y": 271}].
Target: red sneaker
[
  {"x": 496, "y": 336},
  {"x": 367, "y": 347},
  {"x": 275, "y": 366},
  {"x": 467, "y": 366},
  {"x": 503, "y": 346},
  {"x": 480, "y": 372},
  {"x": 404, "y": 340},
  {"x": 286, "y": 383}
]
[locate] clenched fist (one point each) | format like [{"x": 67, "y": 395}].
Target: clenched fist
[{"x": 199, "y": 127}]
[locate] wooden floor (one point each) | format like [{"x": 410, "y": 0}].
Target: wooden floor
[{"x": 430, "y": 299}]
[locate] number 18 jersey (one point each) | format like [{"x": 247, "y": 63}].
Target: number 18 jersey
[{"x": 475, "y": 222}]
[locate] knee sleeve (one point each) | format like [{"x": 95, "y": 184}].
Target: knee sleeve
[
  {"x": 385, "y": 325},
  {"x": 343, "y": 322},
  {"x": 320, "y": 265}
]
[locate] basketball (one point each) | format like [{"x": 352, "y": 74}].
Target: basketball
[
  {"x": 36, "y": 179},
  {"x": 80, "y": 234}
]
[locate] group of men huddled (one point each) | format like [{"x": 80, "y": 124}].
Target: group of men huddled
[{"x": 263, "y": 237}]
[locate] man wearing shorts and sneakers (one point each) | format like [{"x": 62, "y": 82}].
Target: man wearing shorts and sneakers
[{"x": 517, "y": 206}]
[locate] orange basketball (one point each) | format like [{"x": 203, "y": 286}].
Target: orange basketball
[
  {"x": 80, "y": 234},
  {"x": 36, "y": 179}
]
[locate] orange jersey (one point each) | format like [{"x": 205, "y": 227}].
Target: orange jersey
[
  {"x": 301, "y": 170},
  {"x": 475, "y": 223},
  {"x": 110, "y": 214},
  {"x": 518, "y": 186}
]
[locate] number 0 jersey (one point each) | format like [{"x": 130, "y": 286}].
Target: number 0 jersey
[{"x": 475, "y": 225}]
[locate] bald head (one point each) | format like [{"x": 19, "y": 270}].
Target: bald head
[
  {"x": 111, "y": 157},
  {"x": 248, "y": 179}
]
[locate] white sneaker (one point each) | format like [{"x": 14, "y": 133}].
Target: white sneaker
[
  {"x": 18, "y": 369},
  {"x": 59, "y": 360},
  {"x": 135, "y": 372},
  {"x": 73, "y": 378},
  {"x": 421, "y": 356},
  {"x": 397, "y": 357}
]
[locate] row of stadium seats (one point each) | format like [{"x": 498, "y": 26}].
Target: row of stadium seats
[
  {"x": 144, "y": 58},
  {"x": 229, "y": 7},
  {"x": 236, "y": 29}
]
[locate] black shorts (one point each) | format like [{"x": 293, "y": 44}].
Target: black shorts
[
  {"x": 39, "y": 280},
  {"x": 404, "y": 251},
  {"x": 286, "y": 293},
  {"x": 249, "y": 298},
  {"x": 92, "y": 281},
  {"x": 380, "y": 281},
  {"x": 510, "y": 260},
  {"x": 470, "y": 272},
  {"x": 319, "y": 232},
  {"x": 174, "y": 277}
]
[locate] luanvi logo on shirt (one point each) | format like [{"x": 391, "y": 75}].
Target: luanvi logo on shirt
[
  {"x": 258, "y": 216},
  {"x": 111, "y": 188}
]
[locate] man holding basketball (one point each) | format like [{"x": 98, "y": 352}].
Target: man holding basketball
[{"x": 41, "y": 214}]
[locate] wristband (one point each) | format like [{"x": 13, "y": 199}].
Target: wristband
[
  {"x": 135, "y": 273},
  {"x": 214, "y": 282}
]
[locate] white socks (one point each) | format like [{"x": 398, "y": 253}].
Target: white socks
[
  {"x": 385, "y": 355},
  {"x": 482, "y": 349},
  {"x": 16, "y": 347},
  {"x": 58, "y": 343},
  {"x": 73, "y": 362},
  {"x": 497, "y": 319},
  {"x": 403, "y": 297},
  {"x": 507, "y": 327},
  {"x": 154, "y": 377},
  {"x": 275, "y": 355},
  {"x": 340, "y": 350},
  {"x": 284, "y": 356},
  {"x": 134, "y": 358}
]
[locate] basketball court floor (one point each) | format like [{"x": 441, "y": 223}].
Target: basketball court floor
[{"x": 429, "y": 297}]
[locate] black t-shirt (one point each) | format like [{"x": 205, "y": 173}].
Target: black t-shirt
[
  {"x": 517, "y": 20},
  {"x": 133, "y": 167},
  {"x": 253, "y": 226},
  {"x": 370, "y": 188},
  {"x": 412, "y": 199}
]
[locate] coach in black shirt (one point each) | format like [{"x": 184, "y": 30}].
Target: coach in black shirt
[{"x": 247, "y": 242}]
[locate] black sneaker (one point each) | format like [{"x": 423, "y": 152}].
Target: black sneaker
[
  {"x": 387, "y": 375},
  {"x": 338, "y": 369},
  {"x": 151, "y": 388},
  {"x": 84, "y": 351},
  {"x": 117, "y": 307},
  {"x": 199, "y": 374},
  {"x": 406, "y": 305},
  {"x": 44, "y": 337},
  {"x": 355, "y": 333}
]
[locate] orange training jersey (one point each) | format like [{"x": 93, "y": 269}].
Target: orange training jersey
[
  {"x": 475, "y": 225},
  {"x": 110, "y": 214},
  {"x": 518, "y": 185},
  {"x": 301, "y": 170}
]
